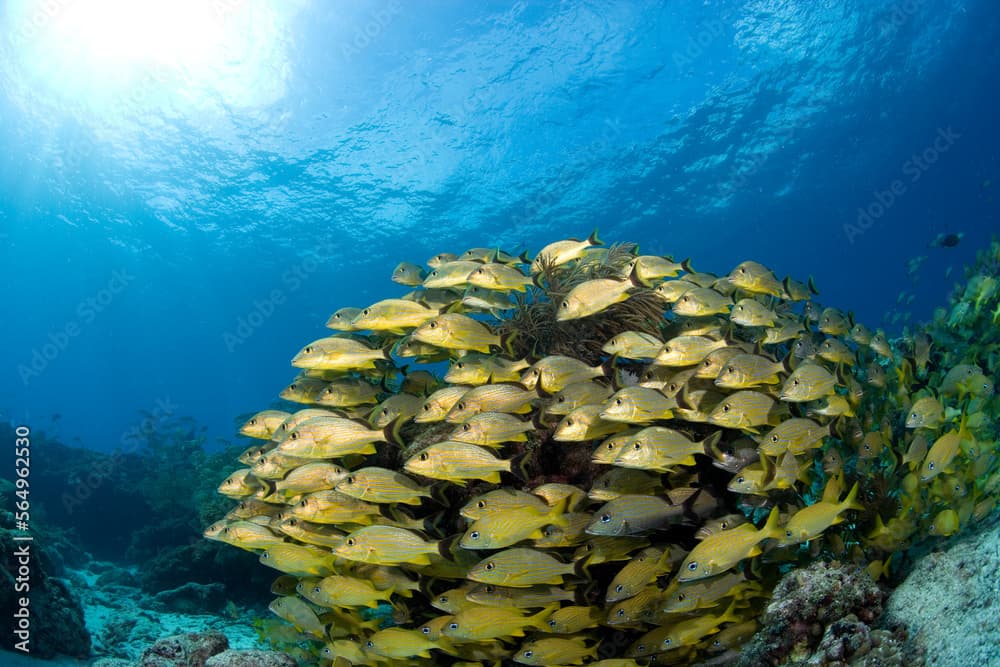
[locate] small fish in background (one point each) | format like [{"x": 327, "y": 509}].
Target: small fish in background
[
  {"x": 946, "y": 240},
  {"x": 913, "y": 266}
]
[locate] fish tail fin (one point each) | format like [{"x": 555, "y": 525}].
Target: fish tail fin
[
  {"x": 507, "y": 342},
  {"x": 609, "y": 368},
  {"x": 270, "y": 487},
  {"x": 593, "y": 240},
  {"x": 710, "y": 445},
  {"x": 438, "y": 495},
  {"x": 851, "y": 501},
  {"x": 686, "y": 265},
  {"x": 445, "y": 548},
  {"x": 557, "y": 514},
  {"x": 786, "y": 285},
  {"x": 581, "y": 568},
  {"x": 519, "y": 466},
  {"x": 392, "y": 433},
  {"x": 524, "y": 257},
  {"x": 771, "y": 528},
  {"x": 811, "y": 284}
]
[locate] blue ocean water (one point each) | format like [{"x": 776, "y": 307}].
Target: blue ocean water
[{"x": 187, "y": 195}]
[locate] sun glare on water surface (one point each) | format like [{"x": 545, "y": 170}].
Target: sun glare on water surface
[{"x": 89, "y": 50}]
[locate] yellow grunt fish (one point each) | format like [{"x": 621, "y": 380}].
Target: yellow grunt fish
[
  {"x": 810, "y": 522},
  {"x": 520, "y": 567},
  {"x": 719, "y": 553},
  {"x": 457, "y": 462},
  {"x": 386, "y": 545},
  {"x": 337, "y": 354},
  {"x": 454, "y": 331},
  {"x": 561, "y": 252}
]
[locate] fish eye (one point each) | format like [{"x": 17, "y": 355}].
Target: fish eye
[
  {"x": 481, "y": 504},
  {"x": 426, "y": 630},
  {"x": 433, "y": 325},
  {"x": 564, "y": 305},
  {"x": 611, "y": 446},
  {"x": 293, "y": 386},
  {"x": 788, "y": 533},
  {"x": 740, "y": 479},
  {"x": 795, "y": 383},
  {"x": 731, "y": 369},
  {"x": 681, "y": 597},
  {"x": 724, "y": 525},
  {"x": 490, "y": 565},
  {"x": 692, "y": 566},
  {"x": 349, "y": 479},
  {"x": 461, "y": 406},
  {"x": 423, "y": 456},
  {"x": 453, "y": 626},
  {"x": 327, "y": 650},
  {"x": 261, "y": 461},
  {"x": 253, "y": 422},
  {"x": 466, "y": 427},
  {"x": 370, "y": 644},
  {"x": 308, "y": 349},
  {"x": 434, "y": 272},
  {"x": 350, "y": 541},
  {"x": 725, "y": 407},
  {"x": 930, "y": 466},
  {"x": 560, "y": 399},
  {"x": 569, "y": 422},
  {"x": 619, "y": 588},
  {"x": 474, "y": 535},
  {"x": 743, "y": 269},
  {"x": 621, "y": 612},
  {"x": 529, "y": 653},
  {"x": 666, "y": 348},
  {"x": 292, "y": 522},
  {"x": 294, "y": 435},
  {"x": 605, "y": 518},
  {"x": 265, "y": 555},
  {"x": 637, "y": 446},
  {"x": 618, "y": 401},
  {"x": 489, "y": 588},
  {"x": 673, "y": 386},
  {"x": 443, "y": 599},
  {"x": 316, "y": 589},
  {"x": 552, "y": 624},
  {"x": 641, "y": 648}
]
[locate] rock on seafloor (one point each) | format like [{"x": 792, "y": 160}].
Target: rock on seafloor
[
  {"x": 184, "y": 650},
  {"x": 828, "y": 615},
  {"x": 208, "y": 649},
  {"x": 951, "y": 601},
  {"x": 250, "y": 658}
]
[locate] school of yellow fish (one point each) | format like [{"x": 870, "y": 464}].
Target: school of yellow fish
[{"x": 630, "y": 503}]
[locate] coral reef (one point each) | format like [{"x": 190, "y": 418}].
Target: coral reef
[
  {"x": 57, "y": 623},
  {"x": 826, "y": 614}
]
